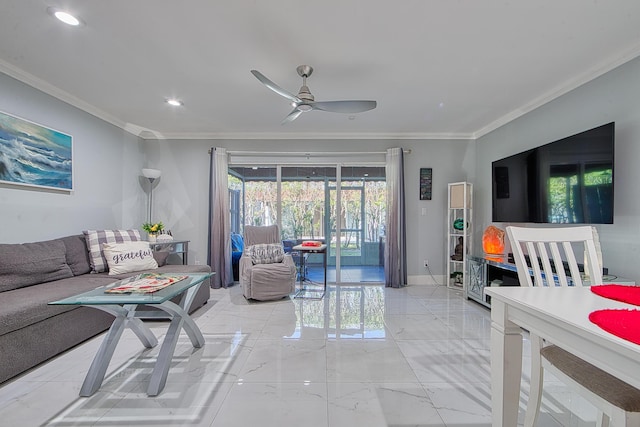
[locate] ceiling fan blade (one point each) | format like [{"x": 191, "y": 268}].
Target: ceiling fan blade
[
  {"x": 344, "y": 106},
  {"x": 292, "y": 116},
  {"x": 274, "y": 87}
]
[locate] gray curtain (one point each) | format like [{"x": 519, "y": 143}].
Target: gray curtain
[
  {"x": 395, "y": 260},
  {"x": 219, "y": 249}
]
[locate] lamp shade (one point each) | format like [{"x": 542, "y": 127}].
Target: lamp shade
[{"x": 151, "y": 173}]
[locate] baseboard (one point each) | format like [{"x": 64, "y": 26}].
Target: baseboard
[{"x": 425, "y": 279}]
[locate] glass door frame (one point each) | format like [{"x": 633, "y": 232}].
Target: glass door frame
[{"x": 278, "y": 165}]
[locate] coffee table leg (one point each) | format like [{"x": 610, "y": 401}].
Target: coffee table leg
[
  {"x": 163, "y": 362},
  {"x": 95, "y": 376},
  {"x": 138, "y": 327},
  {"x": 93, "y": 380},
  {"x": 143, "y": 333},
  {"x": 179, "y": 319},
  {"x": 189, "y": 325}
]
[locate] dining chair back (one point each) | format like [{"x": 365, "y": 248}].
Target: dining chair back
[{"x": 554, "y": 249}]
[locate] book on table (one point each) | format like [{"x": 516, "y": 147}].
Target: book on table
[{"x": 145, "y": 283}]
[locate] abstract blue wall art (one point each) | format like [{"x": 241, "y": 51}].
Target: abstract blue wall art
[{"x": 34, "y": 155}]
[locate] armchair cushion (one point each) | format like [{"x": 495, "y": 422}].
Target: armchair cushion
[{"x": 266, "y": 253}]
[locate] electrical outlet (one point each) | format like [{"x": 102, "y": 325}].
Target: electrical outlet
[{"x": 426, "y": 263}]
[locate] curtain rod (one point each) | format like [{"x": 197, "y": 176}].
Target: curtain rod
[{"x": 305, "y": 153}]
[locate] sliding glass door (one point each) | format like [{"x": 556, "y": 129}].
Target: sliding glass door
[
  {"x": 360, "y": 241},
  {"x": 306, "y": 204}
]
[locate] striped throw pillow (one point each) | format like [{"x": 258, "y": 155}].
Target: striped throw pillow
[{"x": 95, "y": 239}]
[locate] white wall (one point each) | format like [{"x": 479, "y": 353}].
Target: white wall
[
  {"x": 181, "y": 202},
  {"x": 106, "y": 160},
  {"x": 614, "y": 96}
]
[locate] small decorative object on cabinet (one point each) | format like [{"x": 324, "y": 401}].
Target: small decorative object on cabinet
[
  {"x": 459, "y": 226},
  {"x": 493, "y": 241}
]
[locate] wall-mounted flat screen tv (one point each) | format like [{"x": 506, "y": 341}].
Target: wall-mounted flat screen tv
[{"x": 569, "y": 181}]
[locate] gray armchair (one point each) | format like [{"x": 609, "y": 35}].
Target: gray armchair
[{"x": 265, "y": 279}]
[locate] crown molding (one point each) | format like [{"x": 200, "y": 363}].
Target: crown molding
[
  {"x": 58, "y": 93},
  {"x": 566, "y": 87},
  {"x": 307, "y": 135}
]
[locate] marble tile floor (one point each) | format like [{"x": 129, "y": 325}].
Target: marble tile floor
[
  {"x": 350, "y": 274},
  {"x": 364, "y": 355}
]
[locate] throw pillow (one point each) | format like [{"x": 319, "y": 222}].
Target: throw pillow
[
  {"x": 128, "y": 257},
  {"x": 95, "y": 239},
  {"x": 161, "y": 257},
  {"x": 266, "y": 253},
  {"x": 77, "y": 254}
]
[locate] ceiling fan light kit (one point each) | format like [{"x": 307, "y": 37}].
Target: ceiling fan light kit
[{"x": 304, "y": 101}]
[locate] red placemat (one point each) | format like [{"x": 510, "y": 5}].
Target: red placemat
[
  {"x": 628, "y": 294},
  {"x": 621, "y": 323}
]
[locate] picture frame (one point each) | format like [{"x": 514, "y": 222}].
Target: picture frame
[
  {"x": 34, "y": 155},
  {"x": 426, "y": 184}
]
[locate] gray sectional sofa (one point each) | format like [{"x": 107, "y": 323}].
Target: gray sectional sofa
[{"x": 34, "y": 274}]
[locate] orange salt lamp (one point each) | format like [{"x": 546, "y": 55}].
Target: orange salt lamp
[{"x": 493, "y": 240}]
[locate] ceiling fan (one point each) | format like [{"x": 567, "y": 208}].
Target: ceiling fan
[{"x": 304, "y": 100}]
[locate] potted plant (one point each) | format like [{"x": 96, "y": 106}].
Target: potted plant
[{"x": 153, "y": 229}]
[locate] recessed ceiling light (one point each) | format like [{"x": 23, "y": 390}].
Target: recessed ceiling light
[
  {"x": 65, "y": 17},
  {"x": 175, "y": 102}
]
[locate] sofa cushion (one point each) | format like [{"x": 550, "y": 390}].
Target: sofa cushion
[
  {"x": 27, "y": 264},
  {"x": 95, "y": 239},
  {"x": 128, "y": 257},
  {"x": 26, "y": 306},
  {"x": 77, "y": 254},
  {"x": 265, "y": 253}
]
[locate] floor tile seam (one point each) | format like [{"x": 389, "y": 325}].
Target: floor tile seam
[
  {"x": 390, "y": 384},
  {"x": 301, "y": 383},
  {"x": 455, "y": 383},
  {"x": 430, "y": 340},
  {"x": 289, "y": 340},
  {"x": 433, "y": 405},
  {"x": 106, "y": 412},
  {"x": 18, "y": 383},
  {"x": 412, "y": 316}
]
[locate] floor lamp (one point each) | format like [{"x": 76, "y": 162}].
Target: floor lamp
[{"x": 151, "y": 175}]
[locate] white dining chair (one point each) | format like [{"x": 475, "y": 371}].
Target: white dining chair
[{"x": 554, "y": 249}]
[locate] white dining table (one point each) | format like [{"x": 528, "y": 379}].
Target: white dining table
[{"x": 561, "y": 316}]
